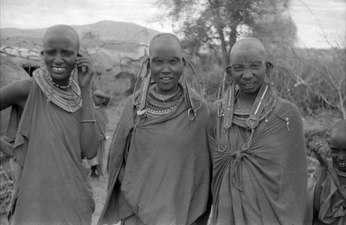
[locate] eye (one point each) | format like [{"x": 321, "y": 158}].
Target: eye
[
  {"x": 334, "y": 151},
  {"x": 50, "y": 52},
  {"x": 237, "y": 68},
  {"x": 66, "y": 53},
  {"x": 173, "y": 61},
  {"x": 256, "y": 65},
  {"x": 157, "y": 62}
]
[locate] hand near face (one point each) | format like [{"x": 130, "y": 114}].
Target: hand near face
[
  {"x": 322, "y": 153},
  {"x": 85, "y": 71}
]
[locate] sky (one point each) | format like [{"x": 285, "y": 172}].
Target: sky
[{"x": 320, "y": 23}]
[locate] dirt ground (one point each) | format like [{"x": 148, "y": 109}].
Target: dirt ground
[{"x": 99, "y": 187}]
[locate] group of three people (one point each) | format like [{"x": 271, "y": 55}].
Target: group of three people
[{"x": 174, "y": 159}]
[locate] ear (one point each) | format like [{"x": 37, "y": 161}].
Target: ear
[
  {"x": 148, "y": 63},
  {"x": 184, "y": 61},
  {"x": 42, "y": 57},
  {"x": 269, "y": 65},
  {"x": 228, "y": 70}
]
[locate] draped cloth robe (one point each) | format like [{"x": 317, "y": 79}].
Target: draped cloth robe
[
  {"x": 53, "y": 188},
  {"x": 168, "y": 168},
  {"x": 266, "y": 184}
]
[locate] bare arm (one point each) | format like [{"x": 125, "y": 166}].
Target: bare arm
[
  {"x": 88, "y": 131},
  {"x": 88, "y": 135},
  {"x": 15, "y": 93}
]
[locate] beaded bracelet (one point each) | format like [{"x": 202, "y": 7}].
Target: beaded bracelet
[{"x": 88, "y": 121}]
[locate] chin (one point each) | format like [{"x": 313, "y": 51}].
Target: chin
[{"x": 342, "y": 169}]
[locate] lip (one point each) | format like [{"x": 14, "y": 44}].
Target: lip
[
  {"x": 166, "y": 79},
  {"x": 249, "y": 85},
  {"x": 58, "y": 69}
]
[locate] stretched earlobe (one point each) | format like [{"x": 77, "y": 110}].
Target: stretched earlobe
[
  {"x": 148, "y": 63},
  {"x": 42, "y": 63},
  {"x": 228, "y": 70},
  {"x": 269, "y": 65}
]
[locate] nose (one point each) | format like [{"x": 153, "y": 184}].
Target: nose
[
  {"x": 58, "y": 58},
  {"x": 165, "y": 68},
  {"x": 247, "y": 74}
]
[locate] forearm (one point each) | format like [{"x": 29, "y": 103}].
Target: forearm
[{"x": 88, "y": 134}]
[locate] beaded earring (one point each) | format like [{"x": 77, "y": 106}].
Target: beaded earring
[{"x": 192, "y": 111}]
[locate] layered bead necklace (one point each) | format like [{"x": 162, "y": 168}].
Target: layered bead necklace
[
  {"x": 241, "y": 115},
  {"x": 66, "y": 97},
  {"x": 62, "y": 87},
  {"x": 159, "y": 105}
]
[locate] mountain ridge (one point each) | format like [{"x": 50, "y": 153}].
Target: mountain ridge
[{"x": 105, "y": 30}]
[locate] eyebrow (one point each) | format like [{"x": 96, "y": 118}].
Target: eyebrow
[
  {"x": 175, "y": 57},
  {"x": 240, "y": 64}
]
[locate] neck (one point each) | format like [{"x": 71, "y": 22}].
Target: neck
[
  {"x": 168, "y": 92},
  {"x": 246, "y": 100},
  {"x": 342, "y": 180},
  {"x": 62, "y": 84}
]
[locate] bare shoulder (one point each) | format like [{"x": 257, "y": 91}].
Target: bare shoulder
[
  {"x": 287, "y": 106},
  {"x": 15, "y": 93}
]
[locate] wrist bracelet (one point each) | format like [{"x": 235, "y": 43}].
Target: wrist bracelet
[{"x": 88, "y": 121}]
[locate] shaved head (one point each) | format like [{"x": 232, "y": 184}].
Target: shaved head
[
  {"x": 164, "y": 39},
  {"x": 166, "y": 62},
  {"x": 60, "y": 52},
  {"x": 338, "y": 131},
  {"x": 61, "y": 30},
  {"x": 248, "y": 45}
]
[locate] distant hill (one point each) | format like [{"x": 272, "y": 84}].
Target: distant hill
[
  {"x": 114, "y": 47},
  {"x": 107, "y": 41},
  {"x": 101, "y": 31}
]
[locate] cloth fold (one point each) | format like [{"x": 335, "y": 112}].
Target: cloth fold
[
  {"x": 53, "y": 188},
  {"x": 265, "y": 184},
  {"x": 168, "y": 168}
]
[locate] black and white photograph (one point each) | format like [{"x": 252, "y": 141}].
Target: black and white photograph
[{"x": 173, "y": 112}]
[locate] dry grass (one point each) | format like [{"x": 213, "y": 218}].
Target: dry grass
[{"x": 99, "y": 187}]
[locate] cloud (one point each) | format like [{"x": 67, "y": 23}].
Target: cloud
[
  {"x": 312, "y": 17},
  {"x": 320, "y": 23}
]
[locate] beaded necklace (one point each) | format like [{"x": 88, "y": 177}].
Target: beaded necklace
[
  {"x": 63, "y": 87},
  {"x": 232, "y": 114},
  {"x": 159, "y": 105},
  {"x": 241, "y": 115},
  {"x": 68, "y": 99}
]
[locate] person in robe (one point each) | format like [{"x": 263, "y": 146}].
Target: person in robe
[
  {"x": 97, "y": 164},
  {"x": 327, "y": 192},
  {"x": 257, "y": 141},
  {"x": 56, "y": 131},
  {"x": 160, "y": 165}
]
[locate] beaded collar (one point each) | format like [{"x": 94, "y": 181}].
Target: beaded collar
[
  {"x": 69, "y": 99},
  {"x": 159, "y": 105},
  {"x": 263, "y": 105}
]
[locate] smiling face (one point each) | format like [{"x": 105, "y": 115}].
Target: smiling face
[
  {"x": 338, "y": 145},
  {"x": 166, "y": 63},
  {"x": 60, "y": 48},
  {"x": 248, "y": 66}
]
